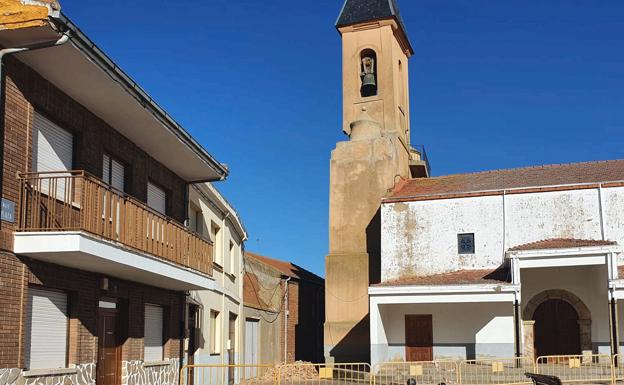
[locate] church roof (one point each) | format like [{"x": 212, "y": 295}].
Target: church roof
[
  {"x": 561, "y": 243},
  {"x": 360, "y": 11},
  {"x": 501, "y": 275},
  {"x": 497, "y": 180}
]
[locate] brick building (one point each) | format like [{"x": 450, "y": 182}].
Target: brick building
[
  {"x": 278, "y": 293},
  {"x": 95, "y": 260}
]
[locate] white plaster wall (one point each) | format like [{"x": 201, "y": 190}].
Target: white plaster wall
[
  {"x": 227, "y": 296},
  {"x": 420, "y": 238},
  {"x": 613, "y": 207},
  {"x": 558, "y": 214},
  {"x": 460, "y": 331},
  {"x": 589, "y": 283}
]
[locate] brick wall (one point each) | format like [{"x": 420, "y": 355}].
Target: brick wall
[
  {"x": 305, "y": 322},
  {"x": 84, "y": 292},
  {"x": 24, "y": 92}
]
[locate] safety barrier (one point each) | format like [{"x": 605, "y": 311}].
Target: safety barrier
[
  {"x": 496, "y": 371},
  {"x": 617, "y": 368},
  {"x": 324, "y": 374},
  {"x": 583, "y": 368},
  {"x": 216, "y": 374},
  {"x": 571, "y": 369},
  {"x": 423, "y": 372}
]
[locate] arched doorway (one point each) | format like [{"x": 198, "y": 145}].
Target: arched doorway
[
  {"x": 556, "y": 328},
  {"x": 558, "y": 323}
]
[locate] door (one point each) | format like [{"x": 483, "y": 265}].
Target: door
[
  {"x": 556, "y": 329},
  {"x": 232, "y": 348},
  {"x": 108, "y": 365},
  {"x": 418, "y": 337},
  {"x": 192, "y": 341},
  {"x": 251, "y": 346}
]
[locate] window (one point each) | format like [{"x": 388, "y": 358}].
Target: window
[
  {"x": 52, "y": 146},
  {"x": 215, "y": 232},
  {"x": 113, "y": 172},
  {"x": 46, "y": 329},
  {"x": 215, "y": 332},
  {"x": 196, "y": 220},
  {"x": 153, "y": 335},
  {"x": 156, "y": 198},
  {"x": 52, "y": 151},
  {"x": 465, "y": 243},
  {"x": 232, "y": 258}
]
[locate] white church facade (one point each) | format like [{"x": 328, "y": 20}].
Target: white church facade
[{"x": 520, "y": 262}]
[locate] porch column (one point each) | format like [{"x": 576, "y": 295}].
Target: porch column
[{"x": 528, "y": 342}]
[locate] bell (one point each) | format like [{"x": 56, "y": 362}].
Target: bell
[{"x": 369, "y": 85}]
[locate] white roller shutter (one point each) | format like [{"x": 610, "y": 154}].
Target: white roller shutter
[
  {"x": 113, "y": 173},
  {"x": 156, "y": 198},
  {"x": 46, "y": 329},
  {"x": 153, "y": 336},
  {"x": 53, "y": 146}
]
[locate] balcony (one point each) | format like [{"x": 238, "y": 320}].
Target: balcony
[
  {"x": 74, "y": 219},
  {"x": 419, "y": 163}
]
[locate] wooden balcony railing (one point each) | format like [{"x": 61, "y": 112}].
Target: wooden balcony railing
[{"x": 77, "y": 201}]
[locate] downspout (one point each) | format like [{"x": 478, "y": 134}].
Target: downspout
[
  {"x": 182, "y": 332},
  {"x": 286, "y": 311},
  {"x": 9, "y": 51}
]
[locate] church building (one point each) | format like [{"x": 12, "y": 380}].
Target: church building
[{"x": 519, "y": 262}]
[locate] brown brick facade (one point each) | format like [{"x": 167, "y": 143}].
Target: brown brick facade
[{"x": 24, "y": 92}]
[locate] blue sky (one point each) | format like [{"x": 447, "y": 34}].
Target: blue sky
[{"x": 493, "y": 84}]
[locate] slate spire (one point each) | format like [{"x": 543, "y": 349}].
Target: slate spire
[{"x": 359, "y": 11}]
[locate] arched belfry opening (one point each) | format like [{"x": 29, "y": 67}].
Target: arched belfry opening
[
  {"x": 561, "y": 323},
  {"x": 368, "y": 73}
]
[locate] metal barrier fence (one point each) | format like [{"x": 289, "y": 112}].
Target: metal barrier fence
[
  {"x": 424, "y": 373},
  {"x": 571, "y": 369},
  {"x": 617, "y": 368},
  {"x": 324, "y": 374},
  {"x": 207, "y": 374},
  {"x": 496, "y": 371},
  {"x": 592, "y": 368}
]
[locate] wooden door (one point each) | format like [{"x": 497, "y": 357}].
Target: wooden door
[
  {"x": 192, "y": 342},
  {"x": 418, "y": 337},
  {"x": 109, "y": 363},
  {"x": 556, "y": 329}
]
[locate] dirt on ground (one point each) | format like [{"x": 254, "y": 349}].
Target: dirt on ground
[{"x": 295, "y": 372}]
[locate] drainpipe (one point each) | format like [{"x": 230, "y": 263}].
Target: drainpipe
[
  {"x": 286, "y": 311},
  {"x": 9, "y": 51}
]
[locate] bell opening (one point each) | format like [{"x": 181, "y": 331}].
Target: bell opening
[{"x": 368, "y": 73}]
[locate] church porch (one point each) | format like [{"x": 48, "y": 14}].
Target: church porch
[{"x": 459, "y": 322}]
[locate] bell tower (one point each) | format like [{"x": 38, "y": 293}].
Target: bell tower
[{"x": 363, "y": 168}]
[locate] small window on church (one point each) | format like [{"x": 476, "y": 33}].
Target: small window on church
[
  {"x": 368, "y": 73},
  {"x": 465, "y": 243}
]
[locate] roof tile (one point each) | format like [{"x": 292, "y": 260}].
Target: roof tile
[{"x": 539, "y": 176}]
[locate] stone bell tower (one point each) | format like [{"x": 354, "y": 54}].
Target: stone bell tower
[{"x": 375, "y": 53}]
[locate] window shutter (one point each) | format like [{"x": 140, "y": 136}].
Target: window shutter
[
  {"x": 156, "y": 198},
  {"x": 46, "y": 329},
  {"x": 53, "y": 149},
  {"x": 113, "y": 173},
  {"x": 153, "y": 336},
  {"x": 118, "y": 175}
]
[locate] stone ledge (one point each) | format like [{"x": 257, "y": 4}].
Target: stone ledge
[
  {"x": 156, "y": 363},
  {"x": 49, "y": 372}
]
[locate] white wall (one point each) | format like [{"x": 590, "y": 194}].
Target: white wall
[
  {"x": 420, "y": 238},
  {"x": 460, "y": 330},
  {"x": 227, "y": 297}
]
